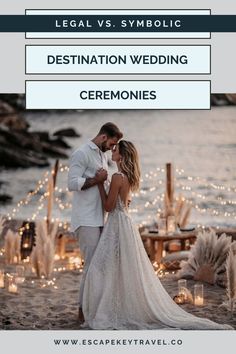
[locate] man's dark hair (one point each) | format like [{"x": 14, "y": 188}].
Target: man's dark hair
[{"x": 111, "y": 130}]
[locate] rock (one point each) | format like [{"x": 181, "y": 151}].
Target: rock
[
  {"x": 5, "y": 108},
  {"x": 14, "y": 100},
  {"x": 223, "y": 99},
  {"x": 61, "y": 143},
  {"x": 68, "y": 132},
  {"x": 53, "y": 151},
  {"x": 41, "y": 135},
  {"x": 25, "y": 149},
  {"x": 20, "y": 139},
  {"x": 44, "y": 136},
  {"x": 14, "y": 122},
  {"x": 5, "y": 198},
  {"x": 231, "y": 97},
  {"x": 218, "y": 100},
  {"x": 12, "y": 158}
]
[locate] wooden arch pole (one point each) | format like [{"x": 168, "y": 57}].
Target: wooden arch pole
[
  {"x": 51, "y": 187},
  {"x": 170, "y": 184}
]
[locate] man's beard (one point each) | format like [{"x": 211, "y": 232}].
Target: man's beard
[{"x": 104, "y": 147}]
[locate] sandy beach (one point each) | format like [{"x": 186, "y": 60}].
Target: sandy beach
[{"x": 49, "y": 308}]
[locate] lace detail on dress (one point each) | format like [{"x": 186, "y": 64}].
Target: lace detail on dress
[{"x": 121, "y": 289}]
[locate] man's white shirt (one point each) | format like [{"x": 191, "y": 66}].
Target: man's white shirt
[{"x": 87, "y": 207}]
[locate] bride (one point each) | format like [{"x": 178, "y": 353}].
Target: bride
[{"x": 121, "y": 289}]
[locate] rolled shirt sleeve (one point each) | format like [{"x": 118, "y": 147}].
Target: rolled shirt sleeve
[{"x": 78, "y": 164}]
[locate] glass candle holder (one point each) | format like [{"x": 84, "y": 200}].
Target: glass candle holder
[
  {"x": 20, "y": 274},
  {"x": 171, "y": 225},
  {"x": 198, "y": 295},
  {"x": 162, "y": 226},
  {"x": 182, "y": 284},
  {"x": 2, "y": 276},
  {"x": 12, "y": 286}
]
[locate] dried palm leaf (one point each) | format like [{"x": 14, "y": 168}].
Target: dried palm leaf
[
  {"x": 44, "y": 251},
  {"x": 207, "y": 258},
  {"x": 36, "y": 261},
  {"x": 48, "y": 261},
  {"x": 50, "y": 191},
  {"x": 185, "y": 218},
  {"x": 231, "y": 279},
  {"x": 179, "y": 208},
  {"x": 53, "y": 230},
  {"x": 10, "y": 246},
  {"x": 37, "y": 255}
]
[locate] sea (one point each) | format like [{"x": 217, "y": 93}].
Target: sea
[{"x": 200, "y": 145}]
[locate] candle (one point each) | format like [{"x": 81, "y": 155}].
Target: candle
[
  {"x": 198, "y": 295},
  {"x": 171, "y": 225},
  {"x": 74, "y": 263},
  {"x": 78, "y": 261},
  {"x": 70, "y": 266},
  {"x": 162, "y": 226},
  {"x": 25, "y": 245},
  {"x": 19, "y": 280},
  {"x": 20, "y": 274},
  {"x": 2, "y": 281},
  {"x": 182, "y": 284},
  {"x": 56, "y": 257},
  {"x": 198, "y": 301},
  {"x": 15, "y": 260},
  {"x": 1, "y": 278},
  {"x": 12, "y": 288}
]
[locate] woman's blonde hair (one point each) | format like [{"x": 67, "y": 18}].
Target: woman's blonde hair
[{"x": 130, "y": 163}]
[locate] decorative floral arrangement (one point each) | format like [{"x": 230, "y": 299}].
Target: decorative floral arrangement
[
  {"x": 207, "y": 259},
  {"x": 42, "y": 256},
  {"x": 180, "y": 210},
  {"x": 231, "y": 278},
  {"x": 12, "y": 247}
]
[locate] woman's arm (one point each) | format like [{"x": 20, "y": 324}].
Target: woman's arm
[{"x": 109, "y": 200}]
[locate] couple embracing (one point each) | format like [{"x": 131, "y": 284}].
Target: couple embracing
[{"x": 119, "y": 288}]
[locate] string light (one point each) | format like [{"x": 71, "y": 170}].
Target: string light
[
  {"x": 25, "y": 201},
  {"x": 205, "y": 183},
  {"x": 153, "y": 177}
]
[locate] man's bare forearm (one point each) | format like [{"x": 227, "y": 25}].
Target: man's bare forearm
[{"x": 90, "y": 182}]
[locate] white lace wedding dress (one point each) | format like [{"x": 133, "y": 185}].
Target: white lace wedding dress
[{"x": 121, "y": 289}]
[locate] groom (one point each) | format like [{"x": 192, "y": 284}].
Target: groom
[{"x": 88, "y": 167}]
